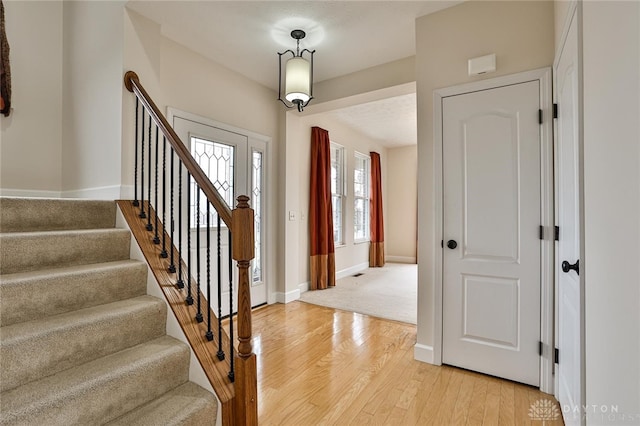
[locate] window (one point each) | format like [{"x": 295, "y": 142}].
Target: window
[
  {"x": 338, "y": 192},
  {"x": 256, "y": 195},
  {"x": 361, "y": 198},
  {"x": 216, "y": 160}
]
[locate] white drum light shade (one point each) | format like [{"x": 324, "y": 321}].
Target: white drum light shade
[
  {"x": 298, "y": 80},
  {"x": 298, "y": 75}
]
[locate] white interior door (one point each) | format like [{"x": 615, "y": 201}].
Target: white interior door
[
  {"x": 568, "y": 289},
  {"x": 492, "y": 214},
  {"x": 235, "y": 166}
]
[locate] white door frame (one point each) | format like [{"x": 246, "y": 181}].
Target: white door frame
[
  {"x": 252, "y": 138},
  {"x": 542, "y": 75},
  {"x": 574, "y": 12}
]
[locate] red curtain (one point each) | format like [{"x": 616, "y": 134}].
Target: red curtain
[
  {"x": 376, "y": 248},
  {"x": 322, "y": 263}
]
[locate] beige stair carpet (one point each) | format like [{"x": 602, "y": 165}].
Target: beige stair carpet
[{"x": 80, "y": 341}]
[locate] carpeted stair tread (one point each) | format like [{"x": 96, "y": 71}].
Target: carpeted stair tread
[
  {"x": 42, "y": 214},
  {"x": 101, "y": 390},
  {"x": 74, "y": 338},
  {"x": 186, "y": 405},
  {"x": 36, "y": 294},
  {"x": 30, "y": 251}
]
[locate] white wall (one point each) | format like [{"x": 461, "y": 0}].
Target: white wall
[
  {"x": 31, "y": 142},
  {"x": 611, "y": 264},
  {"x": 521, "y": 36},
  {"x": 401, "y": 218},
  {"x": 92, "y": 98}
]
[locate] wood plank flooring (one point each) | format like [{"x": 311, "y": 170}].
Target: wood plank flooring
[{"x": 321, "y": 366}]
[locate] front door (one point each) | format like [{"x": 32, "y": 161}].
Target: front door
[
  {"x": 492, "y": 214},
  {"x": 568, "y": 290},
  {"x": 235, "y": 166}
]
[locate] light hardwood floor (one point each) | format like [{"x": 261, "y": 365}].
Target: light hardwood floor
[{"x": 321, "y": 366}]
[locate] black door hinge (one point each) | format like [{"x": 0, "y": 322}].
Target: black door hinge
[
  {"x": 539, "y": 348},
  {"x": 555, "y": 110},
  {"x": 540, "y": 116},
  {"x": 556, "y": 233},
  {"x": 442, "y": 243},
  {"x": 541, "y": 232},
  {"x": 556, "y": 356}
]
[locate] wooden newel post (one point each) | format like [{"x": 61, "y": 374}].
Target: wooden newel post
[{"x": 246, "y": 386}]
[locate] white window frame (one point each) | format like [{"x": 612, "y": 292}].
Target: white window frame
[
  {"x": 341, "y": 193},
  {"x": 367, "y": 197}
]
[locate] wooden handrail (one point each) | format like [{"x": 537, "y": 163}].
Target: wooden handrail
[
  {"x": 132, "y": 83},
  {"x": 240, "y": 222}
]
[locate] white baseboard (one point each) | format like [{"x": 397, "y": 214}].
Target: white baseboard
[
  {"x": 400, "y": 259},
  {"x": 352, "y": 270},
  {"x": 29, "y": 193},
  {"x": 423, "y": 353},
  {"x": 287, "y": 297},
  {"x": 98, "y": 193},
  {"x": 114, "y": 192},
  {"x": 126, "y": 192},
  {"x": 304, "y": 287}
]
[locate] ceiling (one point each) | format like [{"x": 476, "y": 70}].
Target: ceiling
[{"x": 348, "y": 36}]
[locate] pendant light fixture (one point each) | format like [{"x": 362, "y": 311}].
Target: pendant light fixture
[{"x": 298, "y": 78}]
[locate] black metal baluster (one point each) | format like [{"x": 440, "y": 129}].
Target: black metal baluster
[
  {"x": 209, "y": 333},
  {"x": 156, "y": 238},
  {"x": 135, "y": 167},
  {"x": 231, "y": 375},
  {"x": 163, "y": 253},
  {"x": 189, "y": 298},
  {"x": 180, "y": 282},
  {"x": 220, "y": 350},
  {"x": 149, "y": 226},
  {"x": 199, "y": 313},
  {"x": 142, "y": 214},
  {"x": 172, "y": 265}
]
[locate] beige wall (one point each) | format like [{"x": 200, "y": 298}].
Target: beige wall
[
  {"x": 92, "y": 99},
  {"x": 31, "y": 140},
  {"x": 561, "y": 10},
  {"x": 350, "y": 257},
  {"x": 401, "y": 218},
  {"x": 521, "y": 36},
  {"x": 178, "y": 77},
  {"x": 386, "y": 75}
]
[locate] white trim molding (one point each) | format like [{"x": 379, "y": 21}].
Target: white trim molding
[
  {"x": 29, "y": 193},
  {"x": 423, "y": 353},
  {"x": 287, "y": 297},
  {"x": 400, "y": 259},
  {"x": 112, "y": 192},
  {"x": 352, "y": 270}
]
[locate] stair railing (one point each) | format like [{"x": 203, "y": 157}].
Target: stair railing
[{"x": 241, "y": 406}]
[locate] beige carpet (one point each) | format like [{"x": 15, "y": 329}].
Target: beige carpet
[{"x": 389, "y": 292}]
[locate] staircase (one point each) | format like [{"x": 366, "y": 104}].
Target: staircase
[{"x": 80, "y": 341}]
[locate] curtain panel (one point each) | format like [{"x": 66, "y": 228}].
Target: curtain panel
[
  {"x": 322, "y": 262},
  {"x": 376, "y": 247}
]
